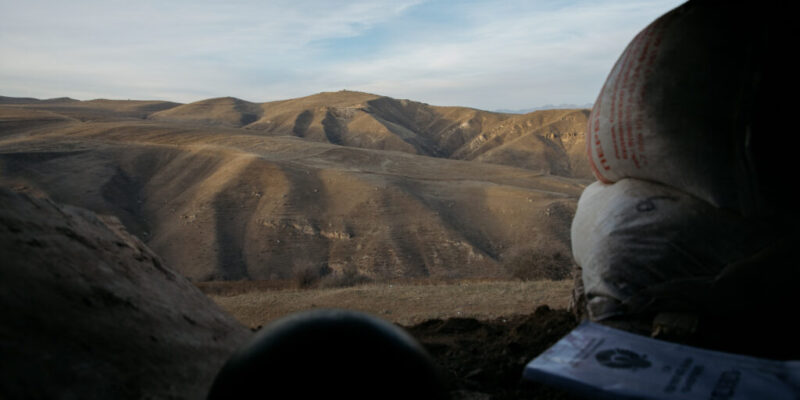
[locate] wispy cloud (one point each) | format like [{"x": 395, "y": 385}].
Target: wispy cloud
[{"x": 485, "y": 54}]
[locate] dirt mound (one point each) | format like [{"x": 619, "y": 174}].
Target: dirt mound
[
  {"x": 88, "y": 311},
  {"x": 485, "y": 359}
]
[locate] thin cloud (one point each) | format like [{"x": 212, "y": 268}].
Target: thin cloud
[
  {"x": 507, "y": 58},
  {"x": 482, "y": 54}
]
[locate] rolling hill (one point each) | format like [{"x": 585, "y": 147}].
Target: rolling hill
[
  {"x": 549, "y": 140},
  {"x": 326, "y": 185}
]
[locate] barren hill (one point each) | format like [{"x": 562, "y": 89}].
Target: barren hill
[
  {"x": 225, "y": 111},
  {"x": 551, "y": 141},
  {"x": 221, "y": 199},
  {"x": 548, "y": 140}
]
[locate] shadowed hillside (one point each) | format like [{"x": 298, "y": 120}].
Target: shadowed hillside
[
  {"x": 221, "y": 202},
  {"x": 90, "y": 312}
]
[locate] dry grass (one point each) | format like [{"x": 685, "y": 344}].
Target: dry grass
[{"x": 405, "y": 304}]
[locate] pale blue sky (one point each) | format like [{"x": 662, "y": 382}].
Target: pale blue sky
[{"x": 483, "y": 54}]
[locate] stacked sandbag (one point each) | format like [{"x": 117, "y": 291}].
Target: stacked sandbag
[
  {"x": 688, "y": 139},
  {"x": 634, "y": 235},
  {"x": 696, "y": 102}
]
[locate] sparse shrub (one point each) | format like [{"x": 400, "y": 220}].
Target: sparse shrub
[
  {"x": 531, "y": 266},
  {"x": 348, "y": 277},
  {"x": 307, "y": 275},
  {"x": 305, "y": 278}
]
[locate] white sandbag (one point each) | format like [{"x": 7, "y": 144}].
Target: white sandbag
[
  {"x": 689, "y": 104},
  {"x": 634, "y": 235}
]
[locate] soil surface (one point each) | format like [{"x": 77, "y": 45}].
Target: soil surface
[
  {"x": 401, "y": 303},
  {"x": 485, "y": 359}
]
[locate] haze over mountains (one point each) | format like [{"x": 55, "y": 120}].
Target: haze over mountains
[
  {"x": 330, "y": 183},
  {"x": 544, "y": 107}
]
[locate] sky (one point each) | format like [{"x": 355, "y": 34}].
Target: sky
[{"x": 501, "y": 54}]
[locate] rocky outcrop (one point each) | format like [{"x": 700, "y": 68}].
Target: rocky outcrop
[{"x": 88, "y": 311}]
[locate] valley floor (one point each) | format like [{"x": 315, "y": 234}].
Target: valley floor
[
  {"x": 479, "y": 333},
  {"x": 401, "y": 303}
]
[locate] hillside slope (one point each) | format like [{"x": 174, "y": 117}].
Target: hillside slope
[
  {"x": 549, "y": 140},
  {"x": 229, "y": 203}
]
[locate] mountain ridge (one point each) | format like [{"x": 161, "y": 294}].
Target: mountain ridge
[{"x": 358, "y": 119}]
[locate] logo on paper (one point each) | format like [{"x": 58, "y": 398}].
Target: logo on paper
[{"x": 623, "y": 359}]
